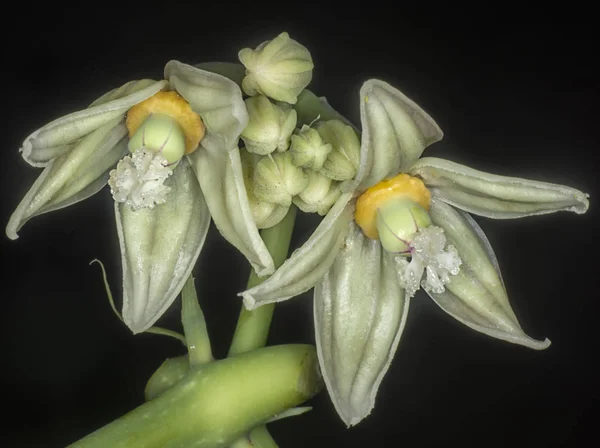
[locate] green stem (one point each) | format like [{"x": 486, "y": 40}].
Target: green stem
[
  {"x": 253, "y": 326},
  {"x": 194, "y": 326},
  {"x": 211, "y": 407}
]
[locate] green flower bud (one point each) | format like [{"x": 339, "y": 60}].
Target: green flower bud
[
  {"x": 162, "y": 134},
  {"x": 398, "y": 221},
  {"x": 320, "y": 194},
  {"x": 269, "y": 127},
  {"x": 277, "y": 179},
  {"x": 265, "y": 214},
  {"x": 342, "y": 162},
  {"x": 280, "y": 69},
  {"x": 308, "y": 149}
]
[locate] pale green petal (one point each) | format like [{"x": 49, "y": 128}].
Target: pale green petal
[
  {"x": 58, "y": 136},
  {"x": 493, "y": 196},
  {"x": 73, "y": 176},
  {"x": 360, "y": 311},
  {"x": 395, "y": 131},
  {"x": 159, "y": 248},
  {"x": 126, "y": 89},
  {"x": 476, "y": 296},
  {"x": 222, "y": 181},
  {"x": 231, "y": 70},
  {"x": 217, "y": 99},
  {"x": 309, "y": 263}
]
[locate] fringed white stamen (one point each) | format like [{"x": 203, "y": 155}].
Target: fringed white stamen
[
  {"x": 428, "y": 255},
  {"x": 138, "y": 180}
]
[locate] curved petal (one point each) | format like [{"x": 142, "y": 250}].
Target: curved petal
[
  {"x": 159, "y": 248},
  {"x": 126, "y": 89},
  {"x": 74, "y": 176},
  {"x": 232, "y": 70},
  {"x": 395, "y": 133},
  {"x": 222, "y": 181},
  {"x": 360, "y": 311},
  {"x": 58, "y": 136},
  {"x": 476, "y": 296},
  {"x": 309, "y": 263},
  {"x": 217, "y": 99},
  {"x": 493, "y": 196}
]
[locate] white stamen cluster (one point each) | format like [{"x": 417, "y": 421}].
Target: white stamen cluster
[
  {"x": 138, "y": 180},
  {"x": 428, "y": 255}
]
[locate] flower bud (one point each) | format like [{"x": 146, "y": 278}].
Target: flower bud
[
  {"x": 277, "y": 179},
  {"x": 398, "y": 221},
  {"x": 269, "y": 127},
  {"x": 160, "y": 134},
  {"x": 308, "y": 149},
  {"x": 320, "y": 194},
  {"x": 342, "y": 162},
  {"x": 280, "y": 69},
  {"x": 265, "y": 214}
]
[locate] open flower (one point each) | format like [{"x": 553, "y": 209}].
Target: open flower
[
  {"x": 170, "y": 149},
  {"x": 401, "y": 225}
]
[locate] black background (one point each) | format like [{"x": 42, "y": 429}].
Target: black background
[{"x": 515, "y": 93}]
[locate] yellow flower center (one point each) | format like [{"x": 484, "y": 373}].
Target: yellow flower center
[
  {"x": 173, "y": 105},
  {"x": 401, "y": 186}
]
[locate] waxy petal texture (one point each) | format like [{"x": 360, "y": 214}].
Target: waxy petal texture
[
  {"x": 493, "y": 196},
  {"x": 73, "y": 176},
  {"x": 62, "y": 134},
  {"x": 307, "y": 265},
  {"x": 217, "y": 100},
  {"x": 159, "y": 248},
  {"x": 222, "y": 181},
  {"x": 476, "y": 296},
  {"x": 360, "y": 311},
  {"x": 395, "y": 131}
]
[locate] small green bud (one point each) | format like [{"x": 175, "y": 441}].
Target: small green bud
[
  {"x": 269, "y": 127},
  {"x": 277, "y": 179},
  {"x": 398, "y": 221},
  {"x": 342, "y": 162},
  {"x": 265, "y": 214},
  {"x": 280, "y": 69},
  {"x": 308, "y": 149},
  {"x": 160, "y": 134},
  {"x": 320, "y": 194}
]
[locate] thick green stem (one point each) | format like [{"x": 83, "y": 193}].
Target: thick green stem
[
  {"x": 211, "y": 407},
  {"x": 253, "y": 326},
  {"x": 171, "y": 371}
]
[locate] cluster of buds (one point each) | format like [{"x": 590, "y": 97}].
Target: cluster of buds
[
  {"x": 286, "y": 161},
  {"x": 304, "y": 166}
]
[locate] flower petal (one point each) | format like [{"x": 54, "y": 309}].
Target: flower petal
[
  {"x": 126, "y": 89},
  {"x": 476, "y": 296},
  {"x": 159, "y": 248},
  {"x": 395, "y": 133},
  {"x": 232, "y": 70},
  {"x": 217, "y": 99},
  {"x": 73, "y": 176},
  {"x": 360, "y": 311},
  {"x": 309, "y": 263},
  {"x": 493, "y": 196},
  {"x": 222, "y": 181},
  {"x": 58, "y": 136}
]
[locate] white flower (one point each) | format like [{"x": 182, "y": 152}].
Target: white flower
[
  {"x": 163, "y": 202},
  {"x": 364, "y": 280}
]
